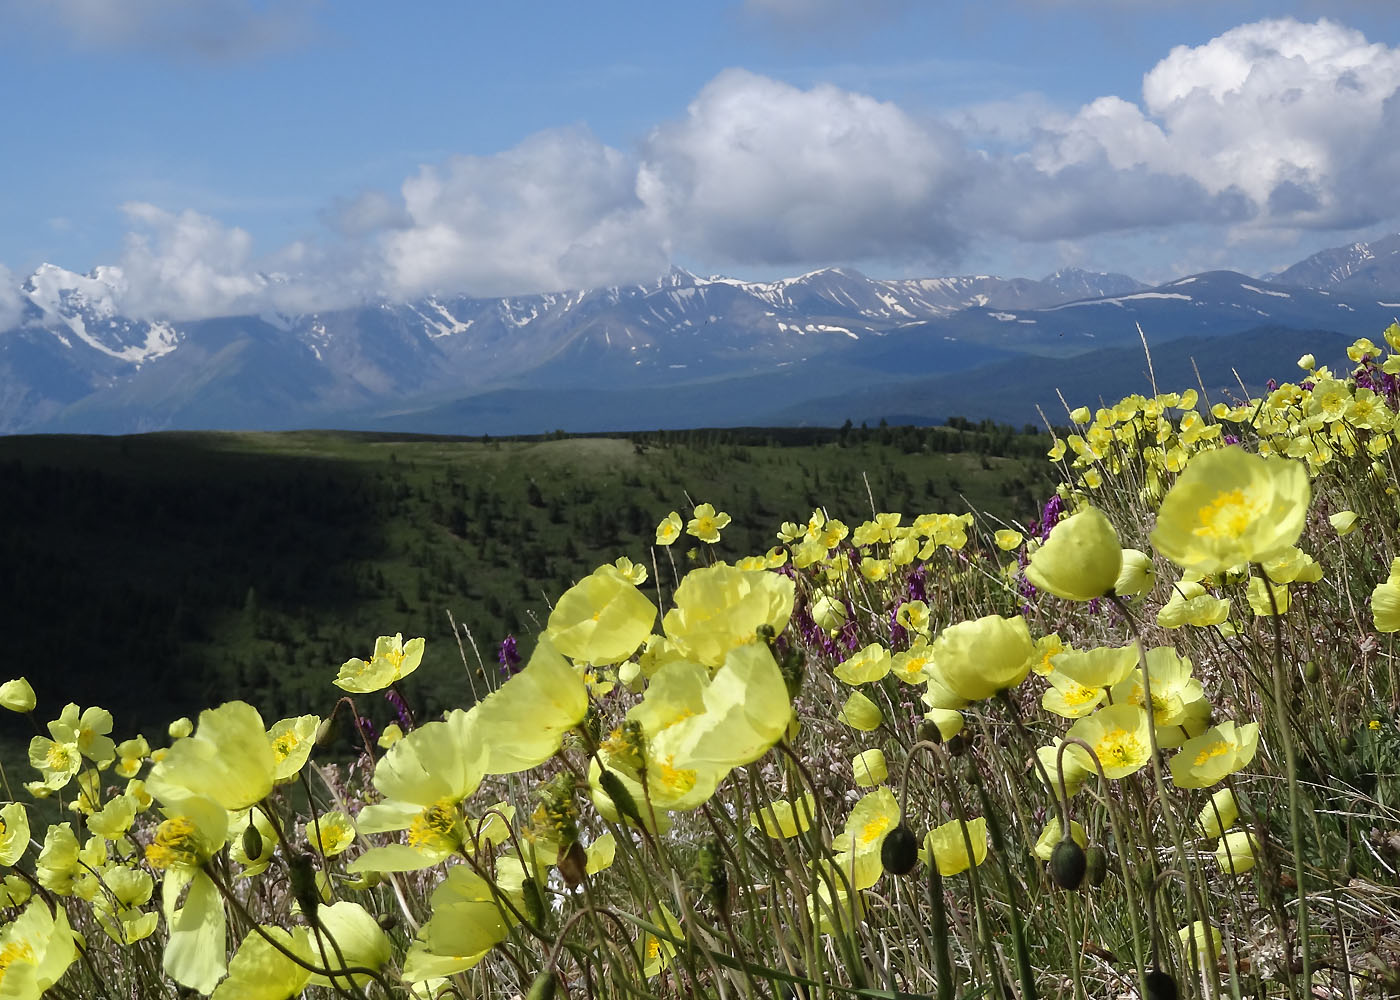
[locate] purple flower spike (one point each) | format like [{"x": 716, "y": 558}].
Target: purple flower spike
[{"x": 508, "y": 656}]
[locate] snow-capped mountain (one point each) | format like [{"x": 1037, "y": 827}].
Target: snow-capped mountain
[
  {"x": 75, "y": 363},
  {"x": 1371, "y": 267}
]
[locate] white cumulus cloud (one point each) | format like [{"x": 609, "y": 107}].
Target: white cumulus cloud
[
  {"x": 759, "y": 171},
  {"x": 558, "y": 211},
  {"x": 1292, "y": 120}
]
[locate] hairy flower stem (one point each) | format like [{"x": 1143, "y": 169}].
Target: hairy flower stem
[
  {"x": 1018, "y": 933},
  {"x": 1196, "y": 899},
  {"x": 1290, "y": 763}
]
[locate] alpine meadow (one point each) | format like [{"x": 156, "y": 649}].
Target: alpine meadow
[{"x": 745, "y": 500}]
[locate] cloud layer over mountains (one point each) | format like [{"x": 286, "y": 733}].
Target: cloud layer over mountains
[{"x": 1272, "y": 126}]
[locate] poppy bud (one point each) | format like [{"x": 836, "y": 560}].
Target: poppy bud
[
  {"x": 302, "y": 874},
  {"x": 544, "y": 986},
  {"x": 1095, "y": 866},
  {"x": 621, "y": 798},
  {"x": 1161, "y": 986},
  {"x": 928, "y": 732},
  {"x": 533, "y": 899},
  {"x": 252, "y": 841},
  {"x": 1312, "y": 673},
  {"x": 899, "y": 851},
  {"x": 713, "y": 878},
  {"x": 327, "y": 732},
  {"x": 1068, "y": 864}
]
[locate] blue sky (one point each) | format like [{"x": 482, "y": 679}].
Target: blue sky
[{"x": 353, "y": 149}]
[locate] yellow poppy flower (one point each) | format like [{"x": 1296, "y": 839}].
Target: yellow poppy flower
[
  {"x": 602, "y": 619},
  {"x": 707, "y": 523},
  {"x": 1137, "y": 576},
  {"x": 669, "y": 529},
  {"x": 1230, "y": 507},
  {"x": 860, "y": 713},
  {"x": 1236, "y": 851},
  {"x": 392, "y": 660},
  {"x": 37, "y": 947},
  {"x": 1219, "y": 751},
  {"x": 785, "y": 819},
  {"x": 17, "y": 696},
  {"x": 1081, "y": 558},
  {"x": 946, "y": 846},
  {"x": 1119, "y": 737},
  {"x": 720, "y": 607},
  {"x": 1219, "y": 814},
  {"x": 522, "y": 723},
  {"x": 869, "y": 664},
  {"x": 869, "y": 768},
  {"x": 1051, "y": 835},
  {"x": 976, "y": 659}
]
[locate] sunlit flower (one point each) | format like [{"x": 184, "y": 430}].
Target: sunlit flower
[
  {"x": 869, "y": 768},
  {"x": 669, "y": 529},
  {"x": 720, "y": 607},
  {"x": 602, "y": 619},
  {"x": 860, "y": 713},
  {"x": 707, "y": 523},
  {"x": 784, "y": 819},
  {"x": 977, "y": 659},
  {"x": 946, "y": 846},
  {"x": 392, "y": 660},
  {"x": 1119, "y": 736},
  {"x": 17, "y": 695},
  {"x": 1231, "y": 507},
  {"x": 1236, "y": 851},
  {"x": 869, "y": 664},
  {"x": 1219, "y": 751},
  {"x": 1052, "y": 835},
  {"x": 1081, "y": 558}
]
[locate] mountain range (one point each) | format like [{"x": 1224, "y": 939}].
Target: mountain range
[{"x": 682, "y": 351}]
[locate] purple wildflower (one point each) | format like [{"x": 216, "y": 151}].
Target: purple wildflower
[
  {"x": 1230, "y": 439},
  {"x": 508, "y": 656},
  {"x": 405, "y": 717}
]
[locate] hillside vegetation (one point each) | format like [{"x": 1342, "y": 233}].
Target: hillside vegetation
[{"x": 159, "y": 571}]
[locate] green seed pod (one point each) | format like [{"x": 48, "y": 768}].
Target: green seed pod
[
  {"x": 899, "y": 851},
  {"x": 1067, "y": 864},
  {"x": 387, "y": 921},
  {"x": 1161, "y": 986},
  {"x": 1348, "y": 745},
  {"x": 621, "y": 798},
  {"x": 327, "y": 732},
  {"x": 544, "y": 986},
  {"x": 301, "y": 871},
  {"x": 793, "y": 667},
  {"x": 1312, "y": 673},
  {"x": 1095, "y": 866},
  {"x": 533, "y": 898},
  {"x": 958, "y": 745},
  {"x": 252, "y": 841},
  {"x": 928, "y": 732},
  {"x": 712, "y": 876}
]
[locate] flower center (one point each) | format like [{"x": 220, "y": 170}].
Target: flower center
[
  {"x": 176, "y": 844},
  {"x": 1227, "y": 516},
  {"x": 1120, "y": 748},
  {"x": 1216, "y": 749},
  {"x": 432, "y": 828}
]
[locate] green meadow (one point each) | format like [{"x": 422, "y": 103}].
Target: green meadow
[{"x": 161, "y": 571}]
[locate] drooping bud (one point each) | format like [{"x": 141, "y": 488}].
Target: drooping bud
[
  {"x": 327, "y": 732},
  {"x": 1095, "y": 866},
  {"x": 1068, "y": 864},
  {"x": 621, "y": 798},
  {"x": 533, "y": 898},
  {"x": 1161, "y": 986},
  {"x": 252, "y": 841},
  {"x": 899, "y": 851},
  {"x": 301, "y": 871},
  {"x": 544, "y": 986},
  {"x": 713, "y": 876},
  {"x": 573, "y": 864}
]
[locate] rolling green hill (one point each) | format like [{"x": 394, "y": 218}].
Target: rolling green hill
[{"x": 158, "y": 574}]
